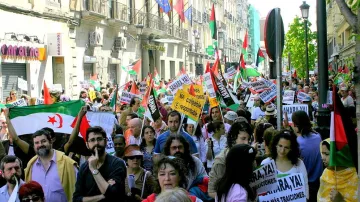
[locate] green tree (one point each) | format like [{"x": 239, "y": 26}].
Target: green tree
[{"x": 295, "y": 45}]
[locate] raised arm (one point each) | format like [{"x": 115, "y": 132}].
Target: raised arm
[{"x": 75, "y": 131}]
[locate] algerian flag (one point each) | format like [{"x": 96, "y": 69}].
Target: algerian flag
[{"x": 58, "y": 116}]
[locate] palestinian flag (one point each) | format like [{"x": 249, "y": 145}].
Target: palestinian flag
[
  {"x": 134, "y": 68},
  {"x": 260, "y": 57},
  {"x": 343, "y": 138},
  {"x": 236, "y": 80},
  {"x": 211, "y": 75},
  {"x": 245, "y": 45},
  {"x": 212, "y": 23},
  {"x": 114, "y": 98},
  {"x": 58, "y": 116}
]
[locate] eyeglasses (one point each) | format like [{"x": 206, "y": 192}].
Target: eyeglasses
[
  {"x": 134, "y": 157},
  {"x": 34, "y": 198},
  {"x": 99, "y": 139}
]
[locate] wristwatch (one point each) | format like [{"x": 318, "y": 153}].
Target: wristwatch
[{"x": 95, "y": 172}]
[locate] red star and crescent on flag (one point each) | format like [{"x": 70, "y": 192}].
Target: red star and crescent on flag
[{"x": 52, "y": 120}]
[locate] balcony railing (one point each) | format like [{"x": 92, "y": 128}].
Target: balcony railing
[
  {"x": 97, "y": 6},
  {"x": 185, "y": 34},
  {"x": 152, "y": 21},
  {"x": 119, "y": 11}
]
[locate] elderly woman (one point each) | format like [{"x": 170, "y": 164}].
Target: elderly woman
[{"x": 139, "y": 183}]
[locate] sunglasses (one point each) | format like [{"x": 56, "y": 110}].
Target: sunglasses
[
  {"x": 134, "y": 157},
  {"x": 34, "y": 198}
]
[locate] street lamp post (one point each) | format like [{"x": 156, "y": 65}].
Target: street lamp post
[{"x": 305, "y": 15}]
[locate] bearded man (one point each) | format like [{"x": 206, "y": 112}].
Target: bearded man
[{"x": 11, "y": 171}]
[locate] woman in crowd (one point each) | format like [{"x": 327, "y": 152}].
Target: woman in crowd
[
  {"x": 13, "y": 97},
  {"x": 259, "y": 140},
  {"x": 31, "y": 191},
  {"x": 139, "y": 183},
  {"x": 285, "y": 152},
  {"x": 174, "y": 195},
  {"x": 309, "y": 142},
  {"x": 170, "y": 173},
  {"x": 160, "y": 127},
  {"x": 336, "y": 183},
  {"x": 147, "y": 146},
  {"x": 234, "y": 186},
  {"x": 239, "y": 133},
  {"x": 216, "y": 143},
  {"x": 215, "y": 115},
  {"x": 198, "y": 139}
]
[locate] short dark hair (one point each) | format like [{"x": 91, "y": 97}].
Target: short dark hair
[
  {"x": 9, "y": 159},
  {"x": 42, "y": 132},
  {"x": 133, "y": 115},
  {"x": 213, "y": 126},
  {"x": 51, "y": 131},
  {"x": 96, "y": 130},
  {"x": 133, "y": 101},
  {"x": 302, "y": 122},
  {"x": 143, "y": 141},
  {"x": 119, "y": 136},
  {"x": 174, "y": 113},
  {"x": 234, "y": 132},
  {"x": 294, "y": 152}
]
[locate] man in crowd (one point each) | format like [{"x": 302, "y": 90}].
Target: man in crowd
[
  {"x": 52, "y": 169},
  {"x": 230, "y": 117},
  {"x": 11, "y": 171},
  {"x": 134, "y": 106},
  {"x": 119, "y": 145},
  {"x": 259, "y": 111},
  {"x": 102, "y": 177},
  {"x": 347, "y": 100},
  {"x": 135, "y": 129},
  {"x": 128, "y": 132},
  {"x": 174, "y": 119}
]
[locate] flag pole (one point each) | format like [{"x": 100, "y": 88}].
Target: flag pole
[{"x": 142, "y": 126}]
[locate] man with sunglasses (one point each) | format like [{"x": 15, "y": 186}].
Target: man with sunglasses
[
  {"x": 11, "y": 170},
  {"x": 102, "y": 177}
]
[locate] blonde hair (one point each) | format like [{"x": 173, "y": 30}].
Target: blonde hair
[{"x": 174, "y": 195}]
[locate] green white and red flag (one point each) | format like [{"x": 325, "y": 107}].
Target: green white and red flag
[
  {"x": 212, "y": 23},
  {"x": 134, "y": 68}
]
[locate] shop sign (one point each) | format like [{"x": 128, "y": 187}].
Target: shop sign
[
  {"x": 22, "y": 52},
  {"x": 210, "y": 50},
  {"x": 153, "y": 47}
]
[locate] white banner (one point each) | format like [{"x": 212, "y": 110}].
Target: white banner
[
  {"x": 178, "y": 83},
  {"x": 19, "y": 103},
  {"x": 259, "y": 86},
  {"x": 264, "y": 178},
  {"x": 290, "y": 188},
  {"x": 293, "y": 108},
  {"x": 22, "y": 84},
  {"x": 126, "y": 97},
  {"x": 251, "y": 101},
  {"x": 268, "y": 95},
  {"x": 288, "y": 97},
  {"x": 39, "y": 101},
  {"x": 209, "y": 85},
  {"x": 230, "y": 73}
]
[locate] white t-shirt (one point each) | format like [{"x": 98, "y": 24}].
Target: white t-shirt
[
  {"x": 348, "y": 101},
  {"x": 257, "y": 113},
  {"x": 236, "y": 194}
]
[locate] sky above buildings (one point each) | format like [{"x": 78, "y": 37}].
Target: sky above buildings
[{"x": 289, "y": 9}]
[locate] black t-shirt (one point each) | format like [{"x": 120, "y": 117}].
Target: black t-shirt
[{"x": 112, "y": 168}]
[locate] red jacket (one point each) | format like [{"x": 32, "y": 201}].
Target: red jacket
[{"x": 152, "y": 198}]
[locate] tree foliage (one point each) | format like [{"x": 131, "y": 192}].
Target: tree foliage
[{"x": 295, "y": 45}]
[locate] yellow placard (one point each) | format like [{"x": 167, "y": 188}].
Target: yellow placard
[
  {"x": 199, "y": 92},
  {"x": 213, "y": 102},
  {"x": 187, "y": 104},
  {"x": 92, "y": 95}
]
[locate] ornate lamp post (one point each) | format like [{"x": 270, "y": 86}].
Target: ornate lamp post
[{"x": 305, "y": 15}]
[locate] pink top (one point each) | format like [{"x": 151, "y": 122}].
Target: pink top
[{"x": 236, "y": 194}]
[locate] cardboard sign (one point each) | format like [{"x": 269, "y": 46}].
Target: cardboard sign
[
  {"x": 143, "y": 86},
  {"x": 259, "y": 86},
  {"x": 126, "y": 97},
  {"x": 264, "y": 178},
  {"x": 187, "y": 104},
  {"x": 230, "y": 73},
  {"x": 199, "y": 92},
  {"x": 251, "y": 101},
  {"x": 293, "y": 108},
  {"x": 303, "y": 97},
  {"x": 209, "y": 85},
  {"x": 19, "y": 103},
  {"x": 290, "y": 188},
  {"x": 39, "y": 101},
  {"x": 268, "y": 95},
  {"x": 288, "y": 97},
  {"x": 22, "y": 84},
  {"x": 178, "y": 83}
]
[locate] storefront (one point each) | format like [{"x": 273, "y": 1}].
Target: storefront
[{"x": 10, "y": 74}]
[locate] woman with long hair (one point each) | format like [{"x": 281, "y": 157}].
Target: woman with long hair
[
  {"x": 239, "y": 133},
  {"x": 235, "y": 184},
  {"x": 309, "y": 142},
  {"x": 259, "y": 140},
  {"x": 285, "y": 152},
  {"x": 198, "y": 138},
  {"x": 216, "y": 143},
  {"x": 147, "y": 146}
]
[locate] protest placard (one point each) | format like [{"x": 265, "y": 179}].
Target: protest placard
[
  {"x": 152, "y": 106},
  {"x": 142, "y": 87},
  {"x": 209, "y": 85},
  {"x": 244, "y": 85},
  {"x": 199, "y": 92},
  {"x": 230, "y": 73},
  {"x": 288, "y": 97},
  {"x": 290, "y": 188},
  {"x": 303, "y": 97},
  {"x": 289, "y": 109},
  {"x": 22, "y": 84},
  {"x": 251, "y": 100},
  {"x": 264, "y": 178},
  {"x": 258, "y": 86},
  {"x": 268, "y": 95},
  {"x": 39, "y": 101},
  {"x": 187, "y": 104},
  {"x": 170, "y": 98},
  {"x": 126, "y": 97},
  {"x": 18, "y": 103},
  {"x": 178, "y": 83},
  {"x": 213, "y": 102},
  {"x": 92, "y": 95}
]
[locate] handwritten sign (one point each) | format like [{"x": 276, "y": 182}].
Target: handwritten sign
[
  {"x": 259, "y": 86},
  {"x": 209, "y": 85},
  {"x": 288, "y": 97},
  {"x": 187, "y": 104},
  {"x": 268, "y": 95},
  {"x": 18, "y": 103},
  {"x": 264, "y": 178},
  {"x": 290, "y": 188},
  {"x": 22, "y": 84},
  {"x": 178, "y": 83},
  {"x": 289, "y": 109},
  {"x": 126, "y": 97}
]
